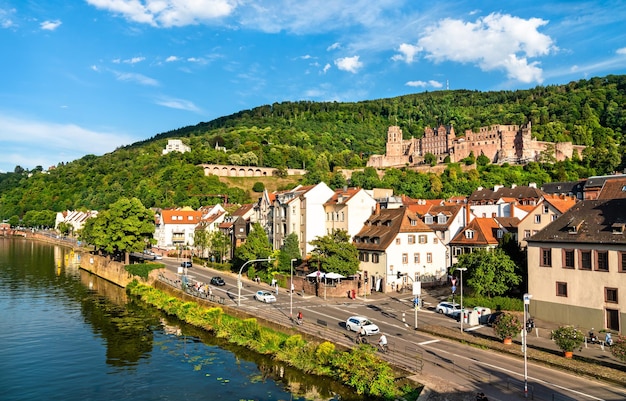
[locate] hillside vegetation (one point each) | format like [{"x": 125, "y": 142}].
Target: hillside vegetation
[{"x": 323, "y": 137}]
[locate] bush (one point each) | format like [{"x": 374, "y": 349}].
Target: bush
[
  {"x": 143, "y": 269},
  {"x": 258, "y": 187},
  {"x": 618, "y": 349},
  {"x": 567, "y": 338},
  {"x": 507, "y": 325}
]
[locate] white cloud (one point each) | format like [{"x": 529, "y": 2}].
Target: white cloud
[
  {"x": 30, "y": 143},
  {"x": 5, "y": 18},
  {"x": 179, "y": 104},
  {"x": 326, "y": 68},
  {"x": 134, "y": 77},
  {"x": 134, "y": 60},
  {"x": 407, "y": 53},
  {"x": 171, "y": 59},
  {"x": 621, "y": 51},
  {"x": 423, "y": 84},
  {"x": 168, "y": 13},
  {"x": 334, "y": 46},
  {"x": 50, "y": 25},
  {"x": 350, "y": 64},
  {"x": 495, "y": 42}
]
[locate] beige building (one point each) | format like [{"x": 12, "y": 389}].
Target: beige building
[
  {"x": 577, "y": 267},
  {"x": 548, "y": 209}
]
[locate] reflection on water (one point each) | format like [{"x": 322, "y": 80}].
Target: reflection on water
[{"x": 72, "y": 335}]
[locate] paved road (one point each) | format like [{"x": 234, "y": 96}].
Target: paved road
[{"x": 449, "y": 366}]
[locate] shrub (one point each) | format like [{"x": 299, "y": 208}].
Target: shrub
[
  {"x": 258, "y": 187},
  {"x": 507, "y": 325},
  {"x": 567, "y": 338},
  {"x": 618, "y": 349},
  {"x": 143, "y": 269}
]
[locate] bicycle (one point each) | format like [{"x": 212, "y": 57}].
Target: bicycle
[
  {"x": 383, "y": 348},
  {"x": 360, "y": 339}
]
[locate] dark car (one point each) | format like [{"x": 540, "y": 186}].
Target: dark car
[
  {"x": 217, "y": 281},
  {"x": 186, "y": 264}
]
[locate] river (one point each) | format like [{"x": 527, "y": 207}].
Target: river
[{"x": 68, "y": 335}]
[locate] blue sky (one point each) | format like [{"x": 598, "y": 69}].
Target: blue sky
[{"x": 87, "y": 76}]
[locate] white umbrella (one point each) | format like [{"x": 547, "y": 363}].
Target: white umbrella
[
  {"x": 314, "y": 274},
  {"x": 333, "y": 276}
]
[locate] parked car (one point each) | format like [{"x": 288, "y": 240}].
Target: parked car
[
  {"x": 448, "y": 308},
  {"x": 354, "y": 323},
  {"x": 264, "y": 296},
  {"x": 217, "y": 281},
  {"x": 186, "y": 264},
  {"x": 157, "y": 256}
]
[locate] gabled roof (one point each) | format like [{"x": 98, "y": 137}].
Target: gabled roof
[
  {"x": 508, "y": 223},
  {"x": 180, "y": 216},
  {"x": 384, "y": 225},
  {"x": 517, "y": 193},
  {"x": 484, "y": 229},
  {"x": 567, "y": 187},
  {"x": 243, "y": 210},
  {"x": 421, "y": 206},
  {"x": 614, "y": 188},
  {"x": 449, "y": 210},
  {"x": 560, "y": 203},
  {"x": 598, "y": 221},
  {"x": 342, "y": 196}
]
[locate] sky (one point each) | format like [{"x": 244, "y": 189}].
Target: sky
[{"x": 88, "y": 76}]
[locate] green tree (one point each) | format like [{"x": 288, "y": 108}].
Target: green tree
[
  {"x": 65, "y": 228},
  {"x": 258, "y": 187},
  {"x": 431, "y": 159},
  {"x": 257, "y": 246},
  {"x": 289, "y": 250},
  {"x": 14, "y": 220},
  {"x": 489, "y": 273},
  {"x": 127, "y": 226},
  {"x": 201, "y": 240},
  {"x": 219, "y": 243},
  {"x": 482, "y": 160},
  {"x": 335, "y": 253}
]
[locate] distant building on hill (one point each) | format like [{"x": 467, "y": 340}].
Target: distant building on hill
[
  {"x": 500, "y": 143},
  {"x": 176, "y": 145}
]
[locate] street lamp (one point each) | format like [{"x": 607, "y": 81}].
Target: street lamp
[
  {"x": 291, "y": 291},
  {"x": 239, "y": 277},
  {"x": 527, "y": 298},
  {"x": 461, "y": 269}
]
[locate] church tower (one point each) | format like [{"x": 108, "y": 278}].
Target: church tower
[{"x": 394, "y": 142}]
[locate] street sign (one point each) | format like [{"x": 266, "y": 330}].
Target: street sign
[{"x": 417, "y": 288}]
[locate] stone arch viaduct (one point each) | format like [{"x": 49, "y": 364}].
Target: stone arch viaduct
[{"x": 244, "y": 171}]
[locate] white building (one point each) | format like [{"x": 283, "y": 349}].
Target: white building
[
  {"x": 348, "y": 209},
  {"x": 176, "y": 145}
]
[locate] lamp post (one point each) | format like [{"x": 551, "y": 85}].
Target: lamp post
[
  {"x": 291, "y": 292},
  {"x": 239, "y": 277},
  {"x": 461, "y": 269},
  {"x": 527, "y": 298}
]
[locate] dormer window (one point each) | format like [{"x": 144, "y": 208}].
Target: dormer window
[
  {"x": 469, "y": 234},
  {"x": 441, "y": 219},
  {"x": 428, "y": 219},
  {"x": 618, "y": 228},
  {"x": 574, "y": 226}
]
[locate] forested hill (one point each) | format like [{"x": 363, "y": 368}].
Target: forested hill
[{"x": 324, "y": 136}]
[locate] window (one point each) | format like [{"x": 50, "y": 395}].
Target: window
[
  {"x": 422, "y": 239},
  {"x": 366, "y": 257},
  {"x": 469, "y": 234},
  {"x": 405, "y": 258},
  {"x": 546, "y": 209},
  {"x": 585, "y": 260},
  {"x": 442, "y": 218},
  {"x": 568, "y": 258},
  {"x": 342, "y": 216},
  {"x": 457, "y": 251},
  {"x": 375, "y": 258},
  {"x": 416, "y": 258},
  {"x": 435, "y": 240},
  {"x": 554, "y": 217},
  {"x": 327, "y": 216},
  {"x": 561, "y": 289},
  {"x": 537, "y": 219},
  {"x": 602, "y": 260},
  {"x": 411, "y": 239},
  {"x": 398, "y": 242},
  {"x": 622, "y": 262},
  {"x": 526, "y": 233},
  {"x": 429, "y": 257},
  {"x": 428, "y": 219},
  {"x": 499, "y": 233},
  {"x": 546, "y": 257},
  {"x": 610, "y": 295}
]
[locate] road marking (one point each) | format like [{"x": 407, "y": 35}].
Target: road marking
[
  {"x": 474, "y": 328},
  {"x": 429, "y": 342}
]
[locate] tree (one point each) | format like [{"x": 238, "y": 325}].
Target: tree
[
  {"x": 14, "y": 220},
  {"x": 257, "y": 246},
  {"x": 489, "y": 273},
  {"x": 219, "y": 244},
  {"x": 289, "y": 250},
  {"x": 482, "y": 160},
  {"x": 201, "y": 240},
  {"x": 335, "y": 253},
  {"x": 258, "y": 187},
  {"x": 431, "y": 159},
  {"x": 127, "y": 226}
]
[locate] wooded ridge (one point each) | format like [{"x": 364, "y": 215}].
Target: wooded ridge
[{"x": 323, "y": 137}]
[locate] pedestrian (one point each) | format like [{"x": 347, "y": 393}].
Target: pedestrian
[
  {"x": 277, "y": 288},
  {"x": 292, "y": 288}
]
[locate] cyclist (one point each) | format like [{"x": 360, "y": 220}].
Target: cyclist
[
  {"x": 360, "y": 337},
  {"x": 382, "y": 343},
  {"x": 299, "y": 318}
]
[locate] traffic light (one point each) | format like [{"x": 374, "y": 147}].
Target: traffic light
[{"x": 399, "y": 275}]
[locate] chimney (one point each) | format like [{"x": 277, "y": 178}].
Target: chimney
[
  {"x": 513, "y": 186},
  {"x": 467, "y": 214},
  {"x": 377, "y": 209},
  {"x": 512, "y": 209}
]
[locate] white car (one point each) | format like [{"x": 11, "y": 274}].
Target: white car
[
  {"x": 264, "y": 296},
  {"x": 354, "y": 323},
  {"x": 448, "y": 308}
]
